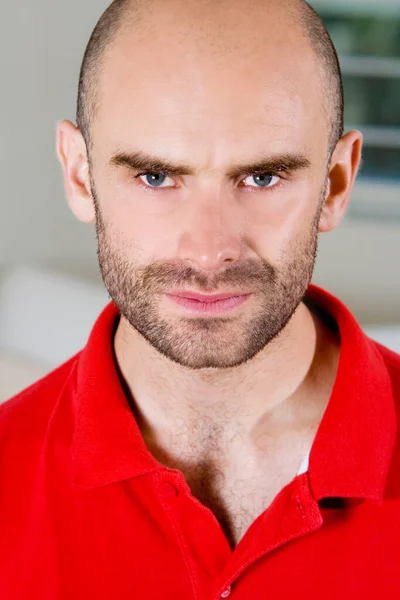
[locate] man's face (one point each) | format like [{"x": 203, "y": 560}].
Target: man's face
[{"x": 206, "y": 231}]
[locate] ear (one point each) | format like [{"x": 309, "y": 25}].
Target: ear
[
  {"x": 72, "y": 153},
  {"x": 343, "y": 169}
]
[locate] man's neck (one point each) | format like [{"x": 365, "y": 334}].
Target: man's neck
[{"x": 290, "y": 380}]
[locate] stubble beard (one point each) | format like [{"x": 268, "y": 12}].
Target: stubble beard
[{"x": 212, "y": 342}]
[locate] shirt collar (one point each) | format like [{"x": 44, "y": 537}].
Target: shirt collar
[
  {"x": 352, "y": 449},
  {"x": 107, "y": 444}
]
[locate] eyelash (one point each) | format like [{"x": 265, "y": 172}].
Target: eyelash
[{"x": 252, "y": 190}]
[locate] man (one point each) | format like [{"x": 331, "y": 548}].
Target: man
[{"x": 228, "y": 430}]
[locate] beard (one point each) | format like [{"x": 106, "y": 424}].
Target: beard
[{"x": 206, "y": 343}]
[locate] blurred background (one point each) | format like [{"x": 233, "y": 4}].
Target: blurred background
[{"x": 50, "y": 287}]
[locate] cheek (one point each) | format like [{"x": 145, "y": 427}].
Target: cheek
[
  {"x": 130, "y": 225},
  {"x": 143, "y": 237},
  {"x": 287, "y": 218}
]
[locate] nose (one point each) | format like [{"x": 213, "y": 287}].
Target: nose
[{"x": 213, "y": 235}]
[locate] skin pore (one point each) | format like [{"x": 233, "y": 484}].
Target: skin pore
[{"x": 213, "y": 85}]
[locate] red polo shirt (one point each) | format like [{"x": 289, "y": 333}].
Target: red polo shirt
[{"x": 87, "y": 512}]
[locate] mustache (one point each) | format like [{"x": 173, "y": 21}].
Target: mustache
[{"x": 171, "y": 274}]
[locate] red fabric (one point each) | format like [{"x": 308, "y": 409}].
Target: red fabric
[{"x": 87, "y": 512}]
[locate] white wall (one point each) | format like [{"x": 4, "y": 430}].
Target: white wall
[{"x": 41, "y": 46}]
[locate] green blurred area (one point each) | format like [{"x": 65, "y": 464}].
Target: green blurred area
[
  {"x": 371, "y": 101},
  {"x": 380, "y": 163},
  {"x": 365, "y": 35}
]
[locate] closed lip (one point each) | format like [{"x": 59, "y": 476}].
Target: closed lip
[{"x": 208, "y": 298}]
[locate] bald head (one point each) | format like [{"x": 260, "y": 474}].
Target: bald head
[{"x": 128, "y": 15}]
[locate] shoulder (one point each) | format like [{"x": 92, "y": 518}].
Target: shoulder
[{"x": 29, "y": 410}]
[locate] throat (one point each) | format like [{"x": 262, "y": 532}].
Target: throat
[{"x": 237, "y": 488}]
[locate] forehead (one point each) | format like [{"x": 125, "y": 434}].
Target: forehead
[{"x": 169, "y": 89}]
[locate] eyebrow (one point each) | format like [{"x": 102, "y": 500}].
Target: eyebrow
[{"x": 142, "y": 161}]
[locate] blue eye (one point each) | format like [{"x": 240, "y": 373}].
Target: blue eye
[
  {"x": 264, "y": 180},
  {"x": 159, "y": 180},
  {"x": 155, "y": 180}
]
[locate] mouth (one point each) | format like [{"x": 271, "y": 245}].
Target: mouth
[{"x": 218, "y": 304}]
